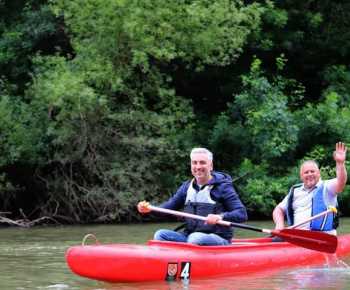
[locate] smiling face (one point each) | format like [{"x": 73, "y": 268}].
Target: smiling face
[
  {"x": 309, "y": 174},
  {"x": 201, "y": 167}
]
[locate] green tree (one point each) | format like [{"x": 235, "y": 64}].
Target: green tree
[
  {"x": 102, "y": 100},
  {"x": 27, "y": 27},
  {"x": 99, "y": 126},
  {"x": 268, "y": 117}
]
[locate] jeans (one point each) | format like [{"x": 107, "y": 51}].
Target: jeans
[{"x": 194, "y": 238}]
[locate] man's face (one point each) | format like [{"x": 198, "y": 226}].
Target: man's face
[
  {"x": 310, "y": 175},
  {"x": 200, "y": 167}
]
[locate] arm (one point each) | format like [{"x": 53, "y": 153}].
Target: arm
[
  {"x": 339, "y": 157},
  {"x": 175, "y": 203},
  {"x": 236, "y": 211},
  {"x": 278, "y": 217}
]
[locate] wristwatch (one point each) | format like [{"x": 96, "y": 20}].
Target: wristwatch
[{"x": 222, "y": 215}]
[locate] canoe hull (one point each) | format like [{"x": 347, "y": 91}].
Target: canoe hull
[{"x": 173, "y": 261}]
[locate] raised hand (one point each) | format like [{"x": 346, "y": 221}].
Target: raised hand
[{"x": 340, "y": 152}]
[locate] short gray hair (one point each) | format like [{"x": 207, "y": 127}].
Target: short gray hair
[
  {"x": 202, "y": 150},
  {"x": 308, "y": 161}
]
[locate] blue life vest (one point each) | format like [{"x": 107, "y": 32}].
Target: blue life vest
[{"x": 324, "y": 223}]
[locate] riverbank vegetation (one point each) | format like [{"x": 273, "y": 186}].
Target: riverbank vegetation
[{"x": 102, "y": 101}]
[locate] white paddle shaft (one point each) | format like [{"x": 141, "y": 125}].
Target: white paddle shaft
[
  {"x": 330, "y": 210},
  {"x": 183, "y": 214}
]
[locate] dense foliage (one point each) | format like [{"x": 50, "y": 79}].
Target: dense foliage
[{"x": 102, "y": 100}]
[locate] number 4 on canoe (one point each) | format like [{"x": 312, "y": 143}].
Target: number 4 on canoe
[{"x": 317, "y": 241}]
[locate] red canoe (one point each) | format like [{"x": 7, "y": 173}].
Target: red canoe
[{"x": 115, "y": 263}]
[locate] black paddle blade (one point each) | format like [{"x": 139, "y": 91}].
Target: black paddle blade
[{"x": 317, "y": 241}]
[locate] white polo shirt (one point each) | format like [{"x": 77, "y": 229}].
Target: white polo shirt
[{"x": 302, "y": 201}]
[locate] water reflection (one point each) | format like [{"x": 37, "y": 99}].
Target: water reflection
[
  {"x": 318, "y": 278},
  {"x": 321, "y": 278},
  {"x": 35, "y": 259}
]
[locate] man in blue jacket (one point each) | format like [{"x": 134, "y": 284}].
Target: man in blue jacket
[{"x": 209, "y": 194}]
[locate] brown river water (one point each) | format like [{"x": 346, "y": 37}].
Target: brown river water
[{"x": 34, "y": 258}]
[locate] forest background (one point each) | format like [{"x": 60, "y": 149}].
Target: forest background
[{"x": 102, "y": 101}]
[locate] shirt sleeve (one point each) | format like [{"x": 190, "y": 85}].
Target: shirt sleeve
[
  {"x": 329, "y": 196},
  {"x": 283, "y": 203},
  {"x": 176, "y": 202},
  {"x": 236, "y": 211}
]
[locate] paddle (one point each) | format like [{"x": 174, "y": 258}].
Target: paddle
[
  {"x": 304, "y": 238},
  {"x": 331, "y": 209}
]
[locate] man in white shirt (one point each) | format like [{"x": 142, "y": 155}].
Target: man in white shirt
[{"x": 313, "y": 195}]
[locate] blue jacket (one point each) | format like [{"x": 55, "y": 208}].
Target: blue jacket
[{"x": 222, "y": 192}]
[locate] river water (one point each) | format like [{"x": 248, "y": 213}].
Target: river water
[{"x": 34, "y": 258}]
